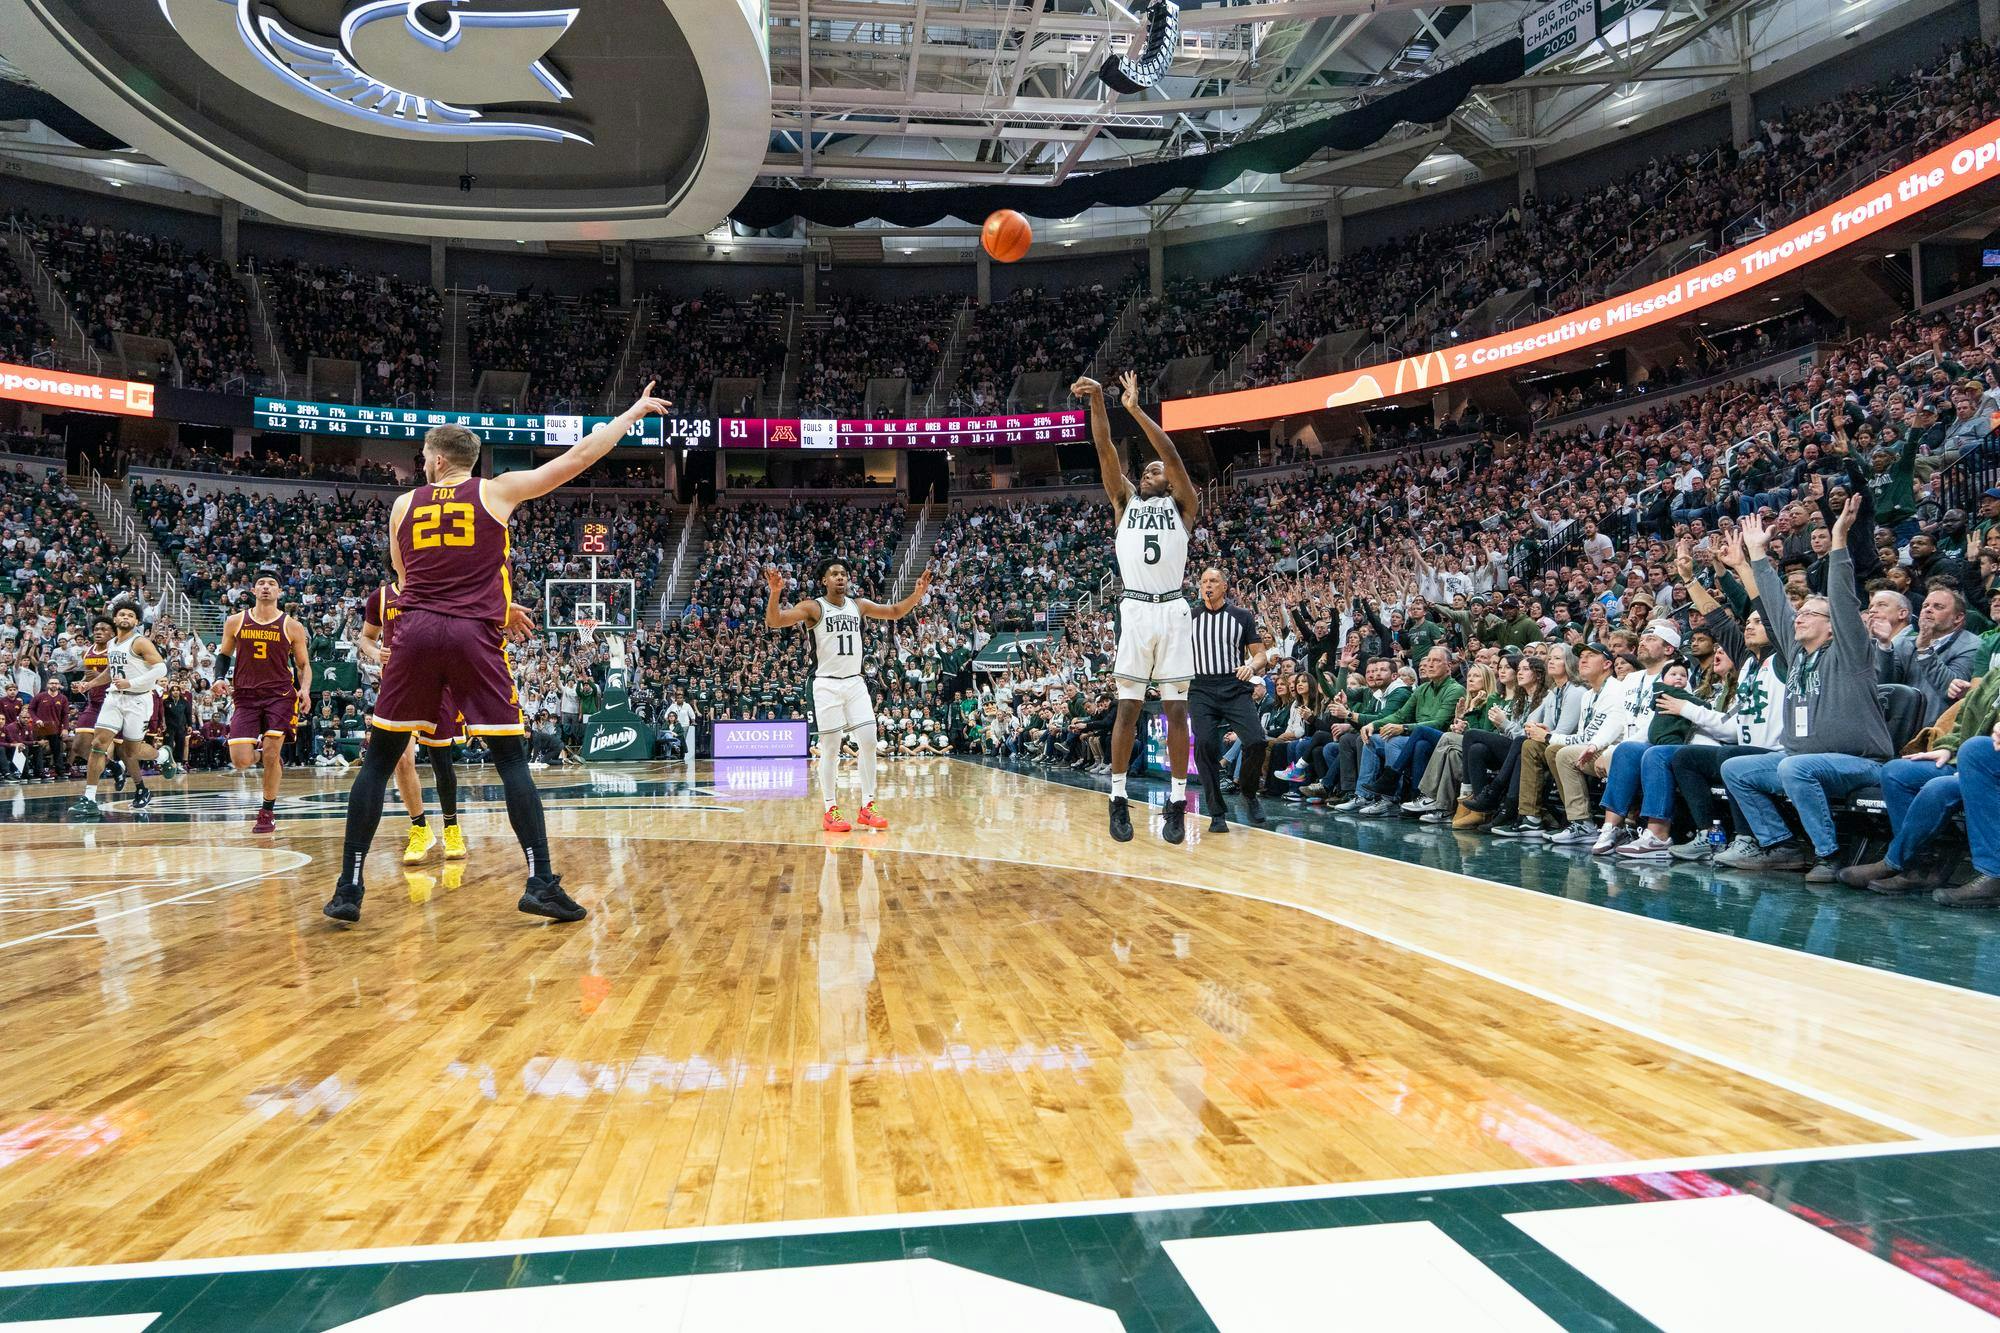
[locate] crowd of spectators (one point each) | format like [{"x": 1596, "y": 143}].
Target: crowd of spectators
[
  {"x": 691, "y": 342},
  {"x": 569, "y": 347},
  {"x": 23, "y": 331},
  {"x": 853, "y": 340},
  {"x": 391, "y": 327},
  {"x": 1035, "y": 329},
  {"x": 121, "y": 282}
]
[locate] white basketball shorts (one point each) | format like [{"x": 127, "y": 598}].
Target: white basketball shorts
[
  {"x": 841, "y": 707},
  {"x": 1155, "y": 646},
  {"x": 125, "y": 716}
]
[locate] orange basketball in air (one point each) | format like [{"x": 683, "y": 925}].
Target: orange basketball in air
[{"x": 1006, "y": 235}]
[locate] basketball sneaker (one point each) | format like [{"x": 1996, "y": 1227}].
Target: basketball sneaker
[
  {"x": 421, "y": 842},
  {"x": 454, "y": 843},
  {"x": 545, "y": 897},
  {"x": 266, "y": 822},
  {"x": 117, "y": 770},
  {"x": 831, "y": 822},
  {"x": 88, "y": 810},
  {"x": 142, "y": 797},
  {"x": 169, "y": 767},
  {"x": 1253, "y": 810},
  {"x": 1121, "y": 820},
  {"x": 345, "y": 905},
  {"x": 1217, "y": 824},
  {"x": 1173, "y": 824},
  {"x": 867, "y": 817}
]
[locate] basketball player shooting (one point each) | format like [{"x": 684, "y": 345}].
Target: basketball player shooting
[
  {"x": 842, "y": 708},
  {"x": 263, "y": 654},
  {"x": 1155, "y": 629},
  {"x": 448, "y": 541}
]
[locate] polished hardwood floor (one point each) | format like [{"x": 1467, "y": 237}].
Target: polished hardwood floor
[{"x": 989, "y": 1004}]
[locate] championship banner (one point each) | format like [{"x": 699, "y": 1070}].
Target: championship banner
[
  {"x": 58, "y": 388},
  {"x": 1557, "y": 30},
  {"x": 616, "y": 733},
  {"x": 1902, "y": 194}
]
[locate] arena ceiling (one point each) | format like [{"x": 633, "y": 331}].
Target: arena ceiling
[{"x": 637, "y": 118}]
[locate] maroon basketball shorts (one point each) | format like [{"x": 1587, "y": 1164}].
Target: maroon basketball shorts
[
  {"x": 255, "y": 718},
  {"x": 436, "y": 656},
  {"x": 450, "y": 727}
]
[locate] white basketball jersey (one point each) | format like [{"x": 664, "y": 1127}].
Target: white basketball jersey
[
  {"x": 121, "y": 660},
  {"x": 1152, "y": 545},
  {"x": 837, "y": 640}
]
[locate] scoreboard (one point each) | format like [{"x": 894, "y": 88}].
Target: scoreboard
[
  {"x": 534, "y": 430},
  {"x": 410, "y": 423},
  {"x": 594, "y": 537},
  {"x": 989, "y": 432}
]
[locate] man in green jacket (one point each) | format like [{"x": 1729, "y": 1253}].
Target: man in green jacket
[
  {"x": 1390, "y": 746},
  {"x": 1922, "y": 794}
]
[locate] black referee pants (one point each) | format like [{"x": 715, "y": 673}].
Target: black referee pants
[{"x": 1217, "y": 704}]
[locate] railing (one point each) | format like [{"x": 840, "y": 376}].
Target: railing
[
  {"x": 84, "y": 355},
  {"x": 680, "y": 554},
  {"x": 946, "y": 378},
  {"x": 916, "y": 544},
  {"x": 632, "y": 334},
  {"x": 137, "y": 544},
  {"x": 268, "y": 329},
  {"x": 1969, "y": 476}
]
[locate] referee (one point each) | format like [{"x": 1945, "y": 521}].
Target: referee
[{"x": 1228, "y": 652}]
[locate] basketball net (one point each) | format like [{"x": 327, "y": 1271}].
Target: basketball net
[{"x": 586, "y": 628}]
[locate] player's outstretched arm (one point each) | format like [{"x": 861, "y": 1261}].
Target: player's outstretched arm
[
  {"x": 511, "y": 488},
  {"x": 1116, "y": 484},
  {"x": 777, "y": 616},
  {"x": 897, "y": 610},
  {"x": 1185, "y": 494}
]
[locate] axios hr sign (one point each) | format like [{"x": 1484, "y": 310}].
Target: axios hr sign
[
  {"x": 761, "y": 740},
  {"x": 1951, "y": 170}
]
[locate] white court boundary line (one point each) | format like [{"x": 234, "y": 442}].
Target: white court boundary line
[
  {"x": 1655, "y": 922},
  {"x": 65, "y": 930},
  {"x": 1031, "y": 1212}
]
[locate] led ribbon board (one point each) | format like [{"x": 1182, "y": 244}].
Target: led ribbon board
[
  {"x": 412, "y": 423},
  {"x": 1932, "y": 179},
  {"x": 89, "y": 393}
]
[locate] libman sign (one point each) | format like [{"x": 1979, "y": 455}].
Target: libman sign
[{"x": 616, "y": 733}]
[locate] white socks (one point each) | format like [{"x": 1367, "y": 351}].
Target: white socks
[
  {"x": 1117, "y": 785},
  {"x": 90, "y": 792},
  {"x": 1177, "y": 789}
]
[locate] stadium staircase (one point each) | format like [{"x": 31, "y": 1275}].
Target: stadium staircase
[
  {"x": 944, "y": 385},
  {"x": 1107, "y": 363},
  {"x": 1289, "y": 298},
  {"x": 652, "y": 595},
  {"x": 919, "y": 544},
  {"x": 457, "y": 356},
  {"x": 781, "y": 386},
  {"x": 623, "y": 386},
  {"x": 685, "y": 565},
  {"x": 73, "y": 346},
  {"x": 141, "y": 555},
  {"x": 263, "y": 337}
]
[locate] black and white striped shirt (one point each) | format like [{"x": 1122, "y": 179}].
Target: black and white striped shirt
[{"x": 1220, "y": 637}]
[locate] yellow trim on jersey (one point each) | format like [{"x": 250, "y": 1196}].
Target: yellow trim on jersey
[
  {"x": 441, "y": 745},
  {"x": 374, "y": 721},
  {"x": 510, "y": 729}
]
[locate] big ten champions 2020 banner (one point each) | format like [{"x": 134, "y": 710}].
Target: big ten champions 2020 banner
[{"x": 1953, "y": 169}]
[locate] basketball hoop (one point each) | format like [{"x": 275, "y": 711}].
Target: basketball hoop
[{"x": 586, "y": 628}]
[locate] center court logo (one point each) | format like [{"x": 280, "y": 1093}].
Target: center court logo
[{"x": 405, "y": 69}]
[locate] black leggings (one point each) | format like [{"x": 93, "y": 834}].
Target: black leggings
[
  {"x": 378, "y": 765},
  {"x": 446, "y": 775},
  {"x": 1492, "y": 768},
  {"x": 1697, "y": 769}
]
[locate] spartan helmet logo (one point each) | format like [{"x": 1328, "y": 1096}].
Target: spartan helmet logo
[{"x": 405, "y": 69}]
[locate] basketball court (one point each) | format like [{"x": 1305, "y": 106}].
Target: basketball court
[{"x": 1089, "y": 1076}]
